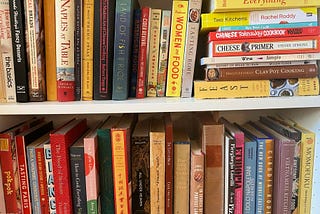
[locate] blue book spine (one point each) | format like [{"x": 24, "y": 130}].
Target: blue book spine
[
  {"x": 33, "y": 179},
  {"x": 266, "y": 26},
  {"x": 260, "y": 176},
  {"x": 250, "y": 165}
]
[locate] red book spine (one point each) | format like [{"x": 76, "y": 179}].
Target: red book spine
[
  {"x": 169, "y": 165},
  {"x": 42, "y": 179},
  {"x": 265, "y": 33},
  {"x": 143, "y": 52}
]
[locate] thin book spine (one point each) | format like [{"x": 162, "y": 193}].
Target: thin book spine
[
  {"x": 78, "y": 49},
  {"x": 169, "y": 163},
  {"x": 50, "y": 179}
]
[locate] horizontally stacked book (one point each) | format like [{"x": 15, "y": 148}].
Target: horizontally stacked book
[{"x": 260, "y": 51}]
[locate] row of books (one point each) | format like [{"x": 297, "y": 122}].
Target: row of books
[
  {"x": 169, "y": 163},
  {"x": 249, "y": 54}
]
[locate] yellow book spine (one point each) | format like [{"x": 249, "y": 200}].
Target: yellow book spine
[
  {"x": 236, "y": 5},
  {"x": 306, "y": 172},
  {"x": 50, "y": 48},
  {"x": 176, "y": 47},
  {"x": 87, "y": 52},
  {"x": 268, "y": 184},
  {"x": 153, "y": 52}
]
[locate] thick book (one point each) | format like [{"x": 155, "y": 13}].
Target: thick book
[
  {"x": 284, "y": 149},
  {"x": 78, "y": 181},
  {"x": 7, "y": 52},
  {"x": 256, "y": 88},
  {"x": 193, "y": 26},
  {"x": 17, "y": 21},
  {"x": 169, "y": 163},
  {"x": 65, "y": 13},
  {"x": 212, "y": 21},
  {"x": 103, "y": 42},
  {"x": 61, "y": 139},
  {"x": 176, "y": 47},
  {"x": 157, "y": 165},
  {"x": 121, "y": 162},
  {"x": 91, "y": 165},
  {"x": 105, "y": 165},
  {"x": 234, "y": 5},
  {"x": 87, "y": 49},
  {"x": 140, "y": 165},
  {"x": 197, "y": 176},
  {"x": 35, "y": 50},
  {"x": 261, "y": 72},
  {"x": 49, "y": 177},
  {"x": 122, "y": 48},
  {"x": 143, "y": 52},
  {"x": 238, "y": 135},
  {"x": 163, "y": 52},
  {"x": 22, "y": 140},
  {"x": 78, "y": 13},
  {"x": 50, "y": 48}
]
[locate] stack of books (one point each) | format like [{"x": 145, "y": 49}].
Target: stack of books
[{"x": 260, "y": 51}]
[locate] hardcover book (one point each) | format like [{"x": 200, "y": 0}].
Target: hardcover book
[
  {"x": 229, "y": 174},
  {"x": 169, "y": 163},
  {"x": 2, "y": 201},
  {"x": 61, "y": 139},
  {"x": 3, "y": 94},
  {"x": 78, "y": 13}
]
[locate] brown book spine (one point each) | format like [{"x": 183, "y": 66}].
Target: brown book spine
[
  {"x": 169, "y": 164},
  {"x": 261, "y": 72}
]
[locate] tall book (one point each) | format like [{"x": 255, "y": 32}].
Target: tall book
[
  {"x": 17, "y": 21},
  {"x": 78, "y": 13},
  {"x": 65, "y": 17},
  {"x": 6, "y": 51},
  {"x": 103, "y": 43},
  {"x": 91, "y": 169},
  {"x": 169, "y": 163},
  {"x": 61, "y": 139},
  {"x": 176, "y": 47},
  {"x": 3, "y": 93},
  {"x": 181, "y": 170},
  {"x": 193, "y": 26},
  {"x": 229, "y": 173},
  {"x": 2, "y": 201},
  {"x": 78, "y": 181},
  {"x": 239, "y": 161},
  {"x": 50, "y": 48},
  {"x": 49, "y": 176},
  {"x": 284, "y": 149},
  {"x": 87, "y": 49},
  {"x": 122, "y": 48},
  {"x": 212, "y": 140},
  {"x": 157, "y": 165},
  {"x": 105, "y": 165},
  {"x": 22, "y": 141},
  {"x": 197, "y": 177},
  {"x": 140, "y": 165},
  {"x": 121, "y": 166},
  {"x": 35, "y": 50}
]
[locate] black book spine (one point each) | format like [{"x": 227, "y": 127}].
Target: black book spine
[
  {"x": 77, "y": 49},
  {"x": 17, "y": 22}
]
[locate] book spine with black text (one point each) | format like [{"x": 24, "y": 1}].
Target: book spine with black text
[{"x": 77, "y": 49}]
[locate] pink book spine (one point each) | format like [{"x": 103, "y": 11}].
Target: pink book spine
[{"x": 239, "y": 168}]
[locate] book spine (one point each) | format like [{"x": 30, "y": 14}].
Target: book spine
[
  {"x": 305, "y": 44},
  {"x": 249, "y": 178},
  {"x": 169, "y": 164},
  {"x": 3, "y": 95},
  {"x": 50, "y": 49},
  {"x": 65, "y": 50},
  {"x": 36, "y": 52},
  {"x": 261, "y": 167},
  {"x": 176, "y": 47},
  {"x": 255, "y": 88},
  {"x": 122, "y": 48},
  {"x": 231, "y": 190},
  {"x": 261, "y": 72},
  {"x": 143, "y": 52},
  {"x": 87, "y": 51},
  {"x": 268, "y": 26},
  {"x": 49, "y": 176},
  {"x": 163, "y": 52},
  {"x": 262, "y": 64},
  {"x": 7, "y": 53},
  {"x": 263, "y": 33},
  {"x": 105, "y": 171},
  {"x": 78, "y": 181},
  {"x": 193, "y": 25},
  {"x": 77, "y": 48},
  {"x": 153, "y": 56},
  {"x": 157, "y": 172},
  {"x": 239, "y": 171},
  {"x": 19, "y": 50},
  {"x": 268, "y": 176},
  {"x": 43, "y": 186},
  {"x": 92, "y": 175},
  {"x": 120, "y": 172},
  {"x": 33, "y": 179},
  {"x": 2, "y": 201},
  {"x": 141, "y": 180},
  {"x": 135, "y": 52},
  {"x": 196, "y": 183}
]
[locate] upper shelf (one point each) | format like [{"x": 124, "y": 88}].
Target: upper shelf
[{"x": 165, "y": 104}]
